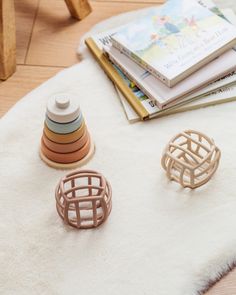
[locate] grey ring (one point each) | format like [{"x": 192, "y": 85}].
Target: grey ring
[{"x": 64, "y": 128}]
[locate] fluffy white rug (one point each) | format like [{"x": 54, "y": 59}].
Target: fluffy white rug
[{"x": 159, "y": 239}]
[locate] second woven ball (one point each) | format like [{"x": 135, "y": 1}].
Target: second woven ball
[{"x": 191, "y": 158}]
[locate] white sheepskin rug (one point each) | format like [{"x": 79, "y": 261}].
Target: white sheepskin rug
[{"x": 159, "y": 239}]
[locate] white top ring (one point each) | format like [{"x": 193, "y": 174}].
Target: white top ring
[
  {"x": 62, "y": 101},
  {"x": 63, "y": 108}
]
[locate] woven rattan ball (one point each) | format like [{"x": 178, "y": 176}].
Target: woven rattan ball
[
  {"x": 190, "y": 158},
  {"x": 83, "y": 199}
]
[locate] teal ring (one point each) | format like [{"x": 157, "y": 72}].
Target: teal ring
[{"x": 64, "y": 128}]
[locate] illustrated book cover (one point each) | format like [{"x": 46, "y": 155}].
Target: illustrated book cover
[
  {"x": 225, "y": 91},
  {"x": 130, "y": 95},
  {"x": 175, "y": 39}
]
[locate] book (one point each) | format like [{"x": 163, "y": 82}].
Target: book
[
  {"x": 130, "y": 113},
  {"x": 223, "y": 95},
  {"x": 226, "y": 93},
  {"x": 219, "y": 96},
  {"x": 162, "y": 94},
  {"x": 144, "y": 107},
  {"x": 175, "y": 39}
]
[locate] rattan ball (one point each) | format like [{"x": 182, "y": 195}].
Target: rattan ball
[
  {"x": 83, "y": 199},
  {"x": 191, "y": 158}
]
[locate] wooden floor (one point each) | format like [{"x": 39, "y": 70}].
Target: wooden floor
[{"x": 47, "y": 39}]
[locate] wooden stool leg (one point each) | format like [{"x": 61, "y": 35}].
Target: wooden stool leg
[
  {"x": 7, "y": 39},
  {"x": 79, "y": 8}
]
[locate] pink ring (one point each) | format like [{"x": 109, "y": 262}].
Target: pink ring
[{"x": 68, "y": 157}]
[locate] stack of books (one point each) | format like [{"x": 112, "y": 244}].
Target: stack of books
[{"x": 177, "y": 57}]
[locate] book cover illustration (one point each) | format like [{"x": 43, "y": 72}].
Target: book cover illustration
[{"x": 176, "y": 36}]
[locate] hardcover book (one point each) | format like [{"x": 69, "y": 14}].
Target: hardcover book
[
  {"x": 220, "y": 96},
  {"x": 175, "y": 39},
  {"x": 139, "y": 102},
  {"x": 162, "y": 94},
  {"x": 131, "y": 95},
  {"x": 144, "y": 107}
]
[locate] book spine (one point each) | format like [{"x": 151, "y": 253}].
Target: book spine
[
  {"x": 130, "y": 77},
  {"x": 141, "y": 62},
  {"x": 114, "y": 76}
]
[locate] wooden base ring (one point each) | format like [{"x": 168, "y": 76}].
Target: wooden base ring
[{"x": 77, "y": 164}]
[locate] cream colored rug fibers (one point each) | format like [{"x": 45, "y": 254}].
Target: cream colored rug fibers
[{"x": 160, "y": 239}]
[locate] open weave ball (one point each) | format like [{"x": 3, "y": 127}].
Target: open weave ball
[
  {"x": 190, "y": 158},
  {"x": 83, "y": 199}
]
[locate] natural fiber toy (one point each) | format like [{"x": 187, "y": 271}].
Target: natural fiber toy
[
  {"x": 190, "y": 158},
  {"x": 66, "y": 142},
  {"x": 83, "y": 199}
]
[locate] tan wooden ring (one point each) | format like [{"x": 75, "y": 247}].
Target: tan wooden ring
[
  {"x": 66, "y": 147},
  {"x": 65, "y": 138},
  {"x": 66, "y": 158}
]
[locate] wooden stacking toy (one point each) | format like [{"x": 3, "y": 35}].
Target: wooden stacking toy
[
  {"x": 83, "y": 199},
  {"x": 65, "y": 142},
  {"x": 191, "y": 158}
]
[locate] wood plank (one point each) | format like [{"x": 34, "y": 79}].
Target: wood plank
[
  {"x": 79, "y": 9},
  {"x": 19, "y": 84},
  {"x": 226, "y": 286},
  {"x": 7, "y": 39},
  {"x": 56, "y": 36},
  {"x": 134, "y": 1},
  {"x": 25, "y": 15}
]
